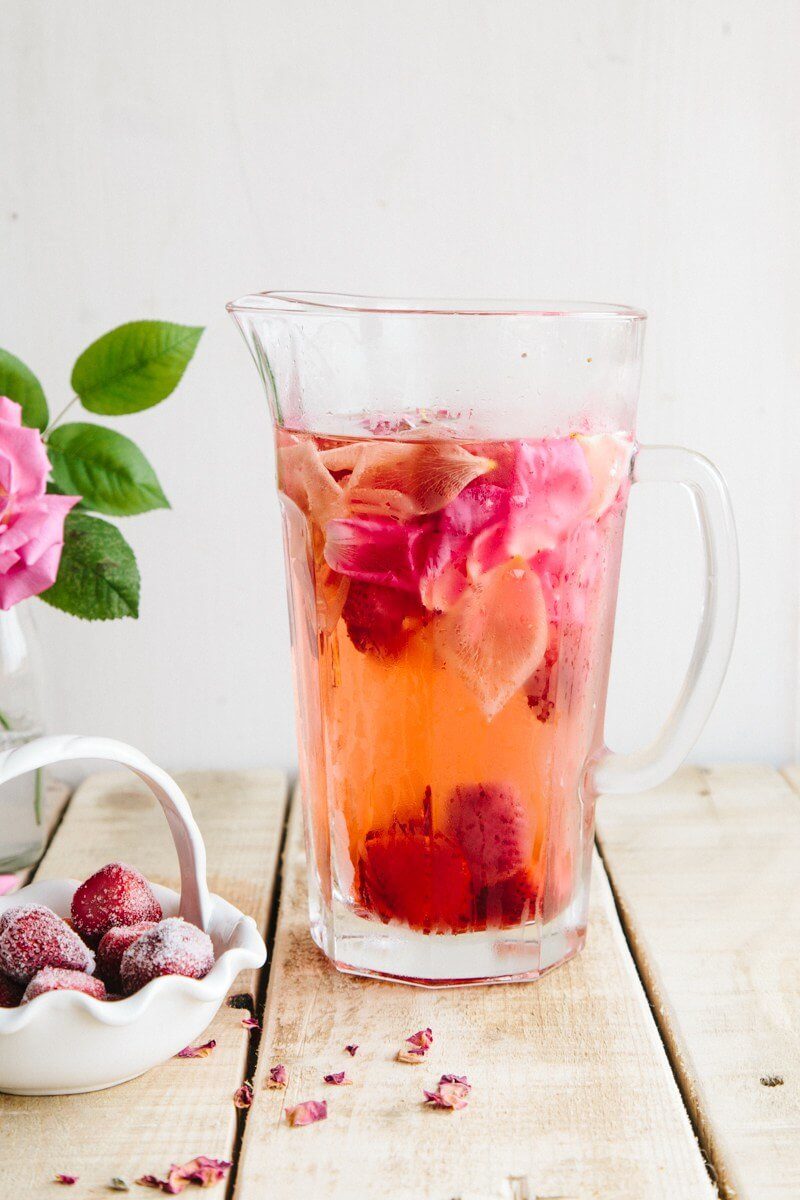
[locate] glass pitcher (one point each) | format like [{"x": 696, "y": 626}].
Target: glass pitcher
[{"x": 453, "y": 478}]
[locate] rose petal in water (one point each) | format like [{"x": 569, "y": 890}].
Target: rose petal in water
[
  {"x": 373, "y": 550},
  {"x": 497, "y": 633},
  {"x": 429, "y": 475},
  {"x": 550, "y": 495},
  {"x": 304, "y": 478},
  {"x": 608, "y": 457}
]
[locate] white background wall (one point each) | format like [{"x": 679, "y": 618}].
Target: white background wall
[{"x": 160, "y": 158}]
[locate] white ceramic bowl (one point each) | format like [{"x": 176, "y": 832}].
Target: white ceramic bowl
[{"x": 65, "y": 1042}]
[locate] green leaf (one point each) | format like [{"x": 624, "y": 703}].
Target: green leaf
[
  {"x": 19, "y": 383},
  {"x": 134, "y": 366},
  {"x": 105, "y": 468},
  {"x": 98, "y": 578}
]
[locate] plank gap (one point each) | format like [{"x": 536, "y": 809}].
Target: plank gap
[
  {"x": 260, "y": 997},
  {"x": 680, "y": 1074},
  {"x": 703, "y": 872}
]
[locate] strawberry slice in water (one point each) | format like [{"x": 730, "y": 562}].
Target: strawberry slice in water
[
  {"x": 511, "y": 901},
  {"x": 420, "y": 879},
  {"x": 380, "y": 620},
  {"x": 491, "y": 825}
]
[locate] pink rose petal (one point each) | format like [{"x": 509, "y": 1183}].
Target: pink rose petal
[
  {"x": 307, "y": 1112},
  {"x": 202, "y": 1171},
  {"x": 277, "y": 1077},
  {"x": 497, "y": 634},
  {"x": 197, "y": 1051},
  {"x": 452, "y": 1093},
  {"x": 415, "y": 1047}
]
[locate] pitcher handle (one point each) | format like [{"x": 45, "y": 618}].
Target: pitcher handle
[{"x": 642, "y": 769}]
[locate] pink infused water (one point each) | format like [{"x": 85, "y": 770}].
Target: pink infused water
[{"x": 450, "y": 600}]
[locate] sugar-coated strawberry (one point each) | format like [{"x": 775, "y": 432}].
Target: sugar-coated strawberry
[
  {"x": 514, "y": 900},
  {"x": 113, "y": 945},
  {"x": 33, "y": 937},
  {"x": 10, "y": 992},
  {"x": 57, "y": 979},
  {"x": 491, "y": 825},
  {"x": 421, "y": 879},
  {"x": 380, "y": 619},
  {"x": 172, "y": 947},
  {"x": 115, "y": 895}
]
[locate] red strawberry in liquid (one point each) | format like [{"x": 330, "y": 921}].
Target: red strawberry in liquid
[
  {"x": 422, "y": 879},
  {"x": 491, "y": 825},
  {"x": 380, "y": 619}
]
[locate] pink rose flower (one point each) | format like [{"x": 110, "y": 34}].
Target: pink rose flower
[{"x": 31, "y": 522}]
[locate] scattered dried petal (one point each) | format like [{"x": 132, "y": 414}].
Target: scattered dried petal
[
  {"x": 411, "y": 1054},
  {"x": 277, "y": 1076},
  {"x": 243, "y": 1096},
  {"x": 771, "y": 1080},
  {"x": 204, "y": 1171},
  {"x": 351, "y": 1050},
  {"x": 251, "y": 1023},
  {"x": 197, "y": 1051},
  {"x": 307, "y": 1112},
  {"x": 415, "y": 1047},
  {"x": 338, "y": 1078},
  {"x": 67, "y": 1179},
  {"x": 118, "y": 1184},
  {"x": 452, "y": 1092},
  {"x": 201, "y": 1170}
]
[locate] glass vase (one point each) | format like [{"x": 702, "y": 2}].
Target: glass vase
[{"x": 22, "y": 826}]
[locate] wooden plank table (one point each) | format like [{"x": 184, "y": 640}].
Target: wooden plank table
[{"x": 647, "y": 1067}]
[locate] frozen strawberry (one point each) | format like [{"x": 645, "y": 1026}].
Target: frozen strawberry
[
  {"x": 115, "y": 895},
  {"x": 172, "y": 947},
  {"x": 33, "y": 937},
  {"x": 113, "y": 945},
  {"x": 10, "y": 992},
  {"x": 379, "y": 619},
  {"x": 409, "y": 875},
  {"x": 57, "y": 979},
  {"x": 491, "y": 825},
  {"x": 511, "y": 901}
]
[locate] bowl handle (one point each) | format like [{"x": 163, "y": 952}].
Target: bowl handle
[{"x": 45, "y": 751}]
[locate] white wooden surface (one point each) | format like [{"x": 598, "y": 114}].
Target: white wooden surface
[
  {"x": 589, "y": 1085},
  {"x": 161, "y": 158},
  {"x": 572, "y": 1095},
  {"x": 706, "y": 873}
]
